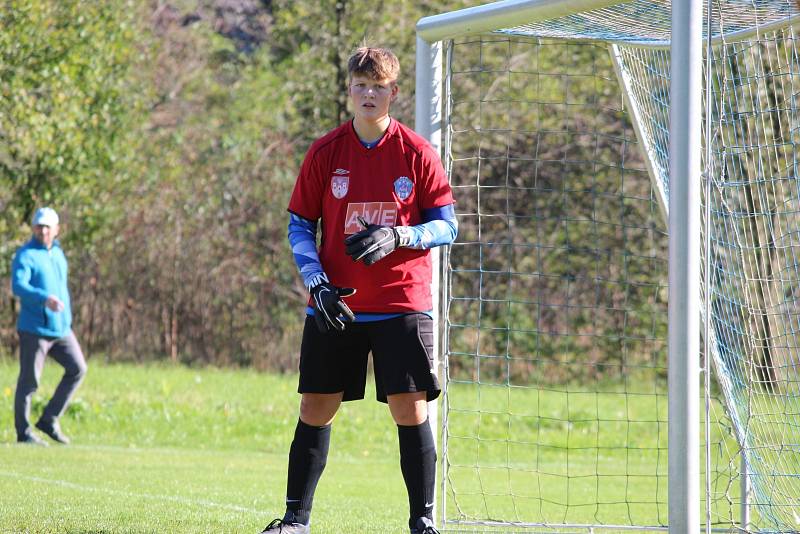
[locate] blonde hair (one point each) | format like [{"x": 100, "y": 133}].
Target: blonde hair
[{"x": 375, "y": 63}]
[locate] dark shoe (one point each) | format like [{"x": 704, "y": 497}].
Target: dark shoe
[
  {"x": 52, "y": 430},
  {"x": 279, "y": 526},
  {"x": 424, "y": 526},
  {"x": 31, "y": 439}
]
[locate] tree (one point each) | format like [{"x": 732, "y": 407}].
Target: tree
[{"x": 67, "y": 109}]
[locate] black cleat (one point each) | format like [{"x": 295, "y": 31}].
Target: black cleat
[
  {"x": 279, "y": 526},
  {"x": 424, "y": 526},
  {"x": 53, "y": 431},
  {"x": 31, "y": 439}
]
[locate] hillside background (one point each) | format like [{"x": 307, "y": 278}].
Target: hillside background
[{"x": 168, "y": 136}]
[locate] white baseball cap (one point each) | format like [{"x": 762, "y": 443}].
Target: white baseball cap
[{"x": 45, "y": 217}]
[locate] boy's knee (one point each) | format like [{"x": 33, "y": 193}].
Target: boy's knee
[
  {"x": 408, "y": 409},
  {"x": 409, "y": 418},
  {"x": 319, "y": 410}
]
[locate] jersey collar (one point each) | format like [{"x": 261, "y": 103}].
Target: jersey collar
[{"x": 390, "y": 130}]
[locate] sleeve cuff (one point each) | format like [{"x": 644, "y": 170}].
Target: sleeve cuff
[
  {"x": 316, "y": 279},
  {"x": 405, "y": 235}
]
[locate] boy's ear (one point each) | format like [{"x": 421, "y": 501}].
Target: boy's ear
[{"x": 396, "y": 89}]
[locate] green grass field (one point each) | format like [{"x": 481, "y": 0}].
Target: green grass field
[
  {"x": 171, "y": 449},
  {"x": 168, "y": 449}
]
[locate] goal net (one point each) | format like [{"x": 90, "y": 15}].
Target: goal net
[{"x": 556, "y": 142}]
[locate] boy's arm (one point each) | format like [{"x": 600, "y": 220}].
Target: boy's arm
[
  {"x": 21, "y": 282},
  {"x": 439, "y": 225},
  {"x": 440, "y": 228},
  {"x": 375, "y": 241},
  {"x": 331, "y": 312},
  {"x": 303, "y": 239}
]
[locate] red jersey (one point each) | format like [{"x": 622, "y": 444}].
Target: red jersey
[{"x": 390, "y": 184}]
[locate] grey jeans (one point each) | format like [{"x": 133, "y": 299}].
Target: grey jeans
[{"x": 32, "y": 352}]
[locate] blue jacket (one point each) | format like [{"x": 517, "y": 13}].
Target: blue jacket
[{"x": 37, "y": 273}]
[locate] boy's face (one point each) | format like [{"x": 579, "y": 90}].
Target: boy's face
[{"x": 371, "y": 98}]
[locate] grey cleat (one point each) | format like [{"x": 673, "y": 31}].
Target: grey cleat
[
  {"x": 424, "y": 526},
  {"x": 279, "y": 526}
]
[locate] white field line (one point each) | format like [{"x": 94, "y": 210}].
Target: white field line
[{"x": 109, "y": 491}]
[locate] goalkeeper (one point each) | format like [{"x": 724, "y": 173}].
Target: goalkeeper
[{"x": 383, "y": 200}]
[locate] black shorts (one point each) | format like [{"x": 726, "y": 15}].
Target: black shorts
[{"x": 402, "y": 357}]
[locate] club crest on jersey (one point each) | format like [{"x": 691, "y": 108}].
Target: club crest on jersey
[
  {"x": 403, "y": 187},
  {"x": 339, "y": 185}
]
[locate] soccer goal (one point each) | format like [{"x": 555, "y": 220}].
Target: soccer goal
[{"x": 578, "y": 395}]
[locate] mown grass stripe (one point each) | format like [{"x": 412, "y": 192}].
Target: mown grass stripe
[{"x": 138, "y": 495}]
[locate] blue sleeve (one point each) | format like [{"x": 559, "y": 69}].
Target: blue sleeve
[
  {"x": 440, "y": 228},
  {"x": 303, "y": 239},
  {"x": 21, "y": 282}
]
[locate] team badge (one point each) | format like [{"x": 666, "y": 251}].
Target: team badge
[
  {"x": 339, "y": 185},
  {"x": 403, "y": 187}
]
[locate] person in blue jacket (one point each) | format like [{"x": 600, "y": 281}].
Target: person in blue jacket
[{"x": 39, "y": 279}]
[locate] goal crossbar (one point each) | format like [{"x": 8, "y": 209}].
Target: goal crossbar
[{"x": 500, "y": 15}]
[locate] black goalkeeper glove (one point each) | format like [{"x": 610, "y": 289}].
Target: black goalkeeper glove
[
  {"x": 373, "y": 243},
  {"x": 329, "y": 306}
]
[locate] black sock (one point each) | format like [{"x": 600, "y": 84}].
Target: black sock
[
  {"x": 307, "y": 457},
  {"x": 418, "y": 464}
]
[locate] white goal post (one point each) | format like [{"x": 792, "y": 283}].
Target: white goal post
[
  {"x": 688, "y": 294},
  {"x": 685, "y": 155}
]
